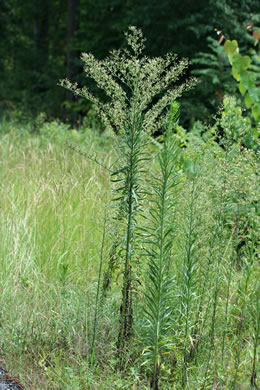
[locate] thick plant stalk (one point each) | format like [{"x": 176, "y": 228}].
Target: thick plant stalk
[
  {"x": 190, "y": 270},
  {"x": 133, "y": 156},
  {"x": 112, "y": 262},
  {"x": 158, "y": 311}
]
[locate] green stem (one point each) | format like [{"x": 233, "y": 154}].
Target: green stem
[
  {"x": 188, "y": 276},
  {"x": 126, "y": 309},
  {"x": 156, "y": 366},
  {"x": 92, "y": 354}
]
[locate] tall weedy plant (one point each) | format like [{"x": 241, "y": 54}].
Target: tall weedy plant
[
  {"x": 138, "y": 89},
  {"x": 159, "y": 292},
  {"x": 189, "y": 295}
]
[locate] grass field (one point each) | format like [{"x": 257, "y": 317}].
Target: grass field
[{"x": 52, "y": 207}]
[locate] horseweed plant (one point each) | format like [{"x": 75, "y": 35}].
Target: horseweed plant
[
  {"x": 189, "y": 295},
  {"x": 158, "y": 308},
  {"x": 138, "y": 90}
]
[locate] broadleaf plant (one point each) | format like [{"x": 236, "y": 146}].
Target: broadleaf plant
[{"x": 246, "y": 72}]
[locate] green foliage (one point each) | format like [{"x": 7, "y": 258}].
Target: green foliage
[
  {"x": 158, "y": 303},
  {"x": 237, "y": 129},
  {"x": 191, "y": 268},
  {"x": 231, "y": 128},
  {"x": 98, "y": 303},
  {"x": 52, "y": 203},
  {"x": 189, "y": 283},
  {"x": 213, "y": 69},
  {"x": 55, "y": 131},
  {"x": 138, "y": 91},
  {"x": 246, "y": 76},
  {"x": 131, "y": 83},
  {"x": 38, "y": 47}
]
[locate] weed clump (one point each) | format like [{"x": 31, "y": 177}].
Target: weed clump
[{"x": 138, "y": 90}]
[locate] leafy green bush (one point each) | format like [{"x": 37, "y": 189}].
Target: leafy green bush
[
  {"x": 237, "y": 129},
  {"x": 213, "y": 69},
  {"x": 246, "y": 74},
  {"x": 55, "y": 131}
]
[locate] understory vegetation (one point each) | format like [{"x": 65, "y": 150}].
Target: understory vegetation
[{"x": 129, "y": 261}]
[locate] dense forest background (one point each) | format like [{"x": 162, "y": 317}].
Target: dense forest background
[{"x": 41, "y": 43}]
